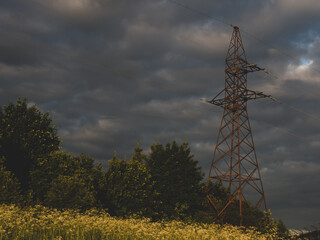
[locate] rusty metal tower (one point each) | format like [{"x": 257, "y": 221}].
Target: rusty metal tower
[{"x": 235, "y": 162}]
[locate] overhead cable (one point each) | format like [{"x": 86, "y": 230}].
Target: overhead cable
[
  {"x": 242, "y": 30},
  {"x": 283, "y": 130},
  {"x": 296, "y": 109},
  {"x": 199, "y": 12}
]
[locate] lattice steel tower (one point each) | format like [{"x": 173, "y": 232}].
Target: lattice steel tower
[{"x": 235, "y": 162}]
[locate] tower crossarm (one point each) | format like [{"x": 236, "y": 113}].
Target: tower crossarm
[
  {"x": 246, "y": 96},
  {"x": 252, "y": 95},
  {"x": 243, "y": 68},
  {"x": 249, "y": 67}
]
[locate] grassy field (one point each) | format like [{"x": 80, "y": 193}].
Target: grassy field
[{"x": 42, "y": 223}]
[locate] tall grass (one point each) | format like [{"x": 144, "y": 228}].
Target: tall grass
[{"x": 43, "y": 223}]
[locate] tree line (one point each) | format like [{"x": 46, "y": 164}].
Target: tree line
[{"x": 164, "y": 184}]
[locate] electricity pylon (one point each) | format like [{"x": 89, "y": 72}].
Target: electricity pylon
[{"x": 235, "y": 162}]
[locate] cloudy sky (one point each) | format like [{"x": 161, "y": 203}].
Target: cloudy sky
[{"x": 111, "y": 72}]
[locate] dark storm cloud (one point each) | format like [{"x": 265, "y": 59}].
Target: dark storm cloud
[{"x": 112, "y": 72}]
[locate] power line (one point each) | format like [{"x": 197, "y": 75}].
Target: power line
[
  {"x": 183, "y": 6},
  {"x": 274, "y": 76},
  {"x": 191, "y": 41},
  {"x": 297, "y": 109},
  {"x": 55, "y": 11},
  {"x": 280, "y": 51},
  {"x": 246, "y": 32},
  {"x": 190, "y": 9},
  {"x": 283, "y": 130},
  {"x": 119, "y": 73},
  {"x": 199, "y": 12}
]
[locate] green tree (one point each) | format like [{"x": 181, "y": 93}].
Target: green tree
[
  {"x": 283, "y": 230},
  {"x": 9, "y": 186},
  {"x": 128, "y": 186},
  {"x": 177, "y": 179},
  {"x": 70, "y": 192},
  {"x": 65, "y": 169},
  {"x": 138, "y": 154},
  {"x": 25, "y": 135},
  {"x": 251, "y": 216}
]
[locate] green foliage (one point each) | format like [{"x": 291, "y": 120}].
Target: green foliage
[
  {"x": 70, "y": 192},
  {"x": 219, "y": 196},
  {"x": 177, "y": 179},
  {"x": 282, "y": 230},
  {"x": 138, "y": 154},
  {"x": 9, "y": 186},
  {"x": 63, "y": 169},
  {"x": 266, "y": 224},
  {"x": 128, "y": 186},
  {"x": 251, "y": 215},
  {"x": 25, "y": 134}
]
